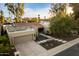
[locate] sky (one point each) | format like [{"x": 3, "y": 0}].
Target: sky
[{"x": 31, "y": 10}]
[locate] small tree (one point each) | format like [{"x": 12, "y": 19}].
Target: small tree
[
  {"x": 17, "y": 9},
  {"x": 58, "y": 8},
  {"x": 62, "y": 26}
]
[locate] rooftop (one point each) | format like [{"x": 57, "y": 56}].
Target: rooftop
[{"x": 33, "y": 24}]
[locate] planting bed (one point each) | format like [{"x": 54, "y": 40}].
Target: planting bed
[
  {"x": 50, "y": 44},
  {"x": 69, "y": 38},
  {"x": 54, "y": 43},
  {"x": 40, "y": 38}
]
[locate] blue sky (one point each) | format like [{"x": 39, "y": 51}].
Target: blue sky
[
  {"x": 37, "y": 5},
  {"x": 31, "y": 9}
]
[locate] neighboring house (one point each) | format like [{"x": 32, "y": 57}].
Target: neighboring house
[
  {"x": 33, "y": 24},
  {"x": 20, "y": 31},
  {"x": 37, "y": 25}
]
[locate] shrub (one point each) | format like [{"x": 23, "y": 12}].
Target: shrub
[
  {"x": 4, "y": 49},
  {"x": 62, "y": 26},
  {"x": 4, "y": 39},
  {"x": 33, "y": 20}
]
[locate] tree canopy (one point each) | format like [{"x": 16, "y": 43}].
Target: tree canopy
[
  {"x": 58, "y": 8},
  {"x": 16, "y": 9},
  {"x": 75, "y": 7}
]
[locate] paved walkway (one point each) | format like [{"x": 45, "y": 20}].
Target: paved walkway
[
  {"x": 30, "y": 48},
  {"x": 72, "y": 51}
]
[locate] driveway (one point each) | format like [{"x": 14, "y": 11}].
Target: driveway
[{"x": 30, "y": 48}]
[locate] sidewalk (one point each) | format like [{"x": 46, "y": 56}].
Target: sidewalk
[{"x": 72, "y": 51}]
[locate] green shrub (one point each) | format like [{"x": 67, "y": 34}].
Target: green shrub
[
  {"x": 33, "y": 20},
  {"x": 5, "y": 46},
  {"x": 4, "y": 49},
  {"x": 62, "y": 26}
]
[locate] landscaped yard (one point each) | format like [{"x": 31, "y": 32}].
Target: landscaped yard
[
  {"x": 56, "y": 27},
  {"x": 61, "y": 28}
]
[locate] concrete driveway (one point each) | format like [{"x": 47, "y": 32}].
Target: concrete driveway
[{"x": 30, "y": 48}]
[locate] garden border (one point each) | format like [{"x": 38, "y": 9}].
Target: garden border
[{"x": 62, "y": 47}]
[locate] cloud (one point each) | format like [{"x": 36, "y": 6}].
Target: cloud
[{"x": 28, "y": 12}]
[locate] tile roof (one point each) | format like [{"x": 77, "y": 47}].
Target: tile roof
[{"x": 33, "y": 24}]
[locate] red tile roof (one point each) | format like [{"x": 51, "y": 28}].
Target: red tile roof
[{"x": 33, "y": 24}]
